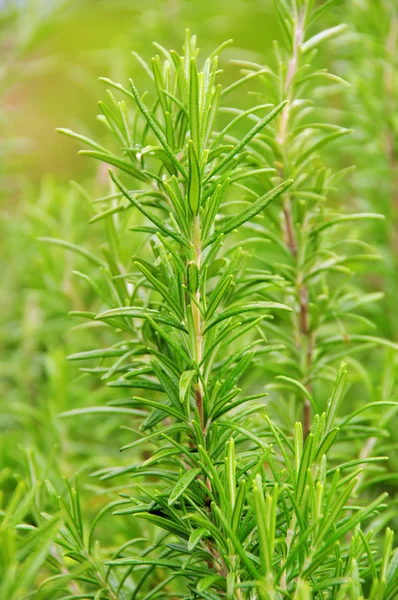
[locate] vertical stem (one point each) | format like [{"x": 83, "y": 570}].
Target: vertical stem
[
  {"x": 304, "y": 336},
  {"x": 199, "y": 392},
  {"x": 289, "y": 229},
  {"x": 198, "y": 320},
  {"x": 389, "y": 145}
]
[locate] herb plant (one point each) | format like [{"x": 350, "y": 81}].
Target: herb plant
[{"x": 226, "y": 343}]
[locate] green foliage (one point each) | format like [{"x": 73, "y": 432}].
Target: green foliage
[{"x": 225, "y": 273}]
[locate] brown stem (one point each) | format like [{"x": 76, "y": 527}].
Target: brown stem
[
  {"x": 199, "y": 404},
  {"x": 289, "y": 229},
  {"x": 304, "y": 325},
  {"x": 306, "y": 335},
  {"x": 307, "y": 413}
]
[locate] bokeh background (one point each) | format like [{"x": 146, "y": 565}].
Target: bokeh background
[{"x": 55, "y": 51}]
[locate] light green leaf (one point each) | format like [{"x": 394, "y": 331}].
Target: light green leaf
[
  {"x": 182, "y": 484},
  {"x": 195, "y": 537},
  {"x": 36, "y": 559},
  {"x": 137, "y": 312},
  {"x": 102, "y": 409},
  {"x": 170, "y": 341},
  {"x": 121, "y": 164},
  {"x": 249, "y": 136},
  {"x": 326, "y": 34},
  {"x": 73, "y": 247},
  {"x": 302, "y": 388},
  {"x": 193, "y": 179},
  {"x": 156, "y": 130},
  {"x": 148, "y": 214},
  {"x": 240, "y": 309},
  {"x": 250, "y": 212},
  {"x": 186, "y": 380},
  {"x": 194, "y": 113},
  {"x": 346, "y": 219},
  {"x": 217, "y": 296},
  {"x": 81, "y": 138}
]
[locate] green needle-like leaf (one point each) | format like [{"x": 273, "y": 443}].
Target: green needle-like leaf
[
  {"x": 248, "y": 137},
  {"x": 240, "y": 309},
  {"x": 251, "y": 212},
  {"x": 182, "y": 484}
]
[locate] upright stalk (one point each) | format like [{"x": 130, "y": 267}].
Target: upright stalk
[
  {"x": 303, "y": 335},
  {"x": 198, "y": 321}
]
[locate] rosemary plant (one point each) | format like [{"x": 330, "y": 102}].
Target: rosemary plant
[{"x": 235, "y": 501}]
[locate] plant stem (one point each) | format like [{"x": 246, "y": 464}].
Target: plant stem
[
  {"x": 389, "y": 145},
  {"x": 198, "y": 321},
  {"x": 304, "y": 337},
  {"x": 105, "y": 585}
]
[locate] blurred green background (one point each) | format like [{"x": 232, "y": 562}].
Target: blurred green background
[{"x": 55, "y": 51}]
